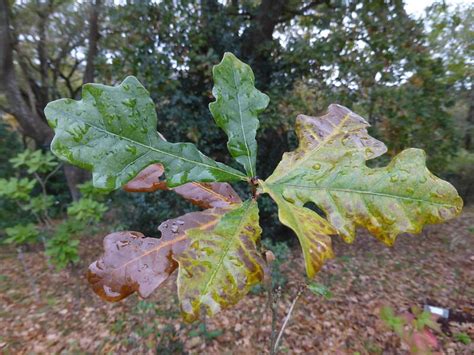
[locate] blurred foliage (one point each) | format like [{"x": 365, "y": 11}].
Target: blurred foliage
[
  {"x": 21, "y": 234},
  {"x": 62, "y": 247},
  {"x": 88, "y": 190},
  {"x": 146, "y": 211},
  {"x": 35, "y": 161},
  {"x": 39, "y": 204},
  {"x": 415, "y": 328},
  {"x": 319, "y": 289},
  {"x": 87, "y": 210},
  {"x": 460, "y": 171},
  {"x": 281, "y": 252},
  {"x": 31, "y": 194},
  {"x": 9, "y": 146},
  {"x": 17, "y": 189},
  {"x": 463, "y": 338}
]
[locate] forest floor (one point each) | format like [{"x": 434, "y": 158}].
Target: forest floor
[{"x": 435, "y": 267}]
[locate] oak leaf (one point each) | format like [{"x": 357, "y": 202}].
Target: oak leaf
[
  {"x": 112, "y": 131},
  {"x": 134, "y": 263},
  {"x": 329, "y": 169},
  {"x": 221, "y": 263},
  {"x": 235, "y": 110}
]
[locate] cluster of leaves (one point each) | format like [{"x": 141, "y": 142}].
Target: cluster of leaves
[
  {"x": 414, "y": 328},
  {"x": 62, "y": 248},
  {"x": 35, "y": 161},
  {"x": 18, "y": 189},
  {"x": 463, "y": 338},
  {"x": 61, "y": 243},
  {"x": 87, "y": 210},
  {"x": 22, "y": 234},
  {"x": 33, "y": 170},
  {"x": 9, "y": 146},
  {"x": 320, "y": 289},
  {"x": 460, "y": 171},
  {"x": 112, "y": 131}
]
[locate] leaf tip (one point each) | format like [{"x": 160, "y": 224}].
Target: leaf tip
[{"x": 131, "y": 80}]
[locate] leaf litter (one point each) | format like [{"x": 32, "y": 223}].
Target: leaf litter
[{"x": 435, "y": 267}]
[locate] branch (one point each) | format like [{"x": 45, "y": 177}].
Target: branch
[
  {"x": 305, "y": 8},
  {"x": 67, "y": 80},
  {"x": 28, "y": 81},
  {"x": 246, "y": 14},
  {"x": 59, "y": 166},
  {"x": 290, "y": 13},
  {"x": 287, "y": 318},
  {"x": 43, "y": 11},
  {"x": 74, "y": 67}
]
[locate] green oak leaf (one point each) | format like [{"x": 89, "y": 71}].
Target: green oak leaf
[
  {"x": 329, "y": 169},
  {"x": 221, "y": 263},
  {"x": 235, "y": 110},
  {"x": 112, "y": 131}
]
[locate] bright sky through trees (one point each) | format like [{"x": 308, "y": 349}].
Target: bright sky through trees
[{"x": 417, "y": 7}]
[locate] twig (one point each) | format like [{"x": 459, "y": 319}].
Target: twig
[
  {"x": 41, "y": 182},
  {"x": 59, "y": 166},
  {"x": 287, "y": 318}
]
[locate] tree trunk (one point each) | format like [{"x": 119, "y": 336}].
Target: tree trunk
[
  {"x": 32, "y": 124},
  {"x": 74, "y": 177},
  {"x": 42, "y": 55},
  {"x": 93, "y": 39},
  {"x": 258, "y": 38},
  {"x": 468, "y": 138}
]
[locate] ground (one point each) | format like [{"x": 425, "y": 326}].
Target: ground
[{"x": 435, "y": 267}]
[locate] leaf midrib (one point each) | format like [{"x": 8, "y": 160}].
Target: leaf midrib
[
  {"x": 242, "y": 123},
  {"x": 365, "y": 192},
  {"x": 231, "y": 241},
  {"x": 322, "y": 143},
  {"x": 242, "y": 177},
  {"x": 160, "y": 246}
]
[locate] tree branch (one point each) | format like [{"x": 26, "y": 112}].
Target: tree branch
[
  {"x": 287, "y": 318},
  {"x": 41, "y": 48},
  {"x": 291, "y": 13}
]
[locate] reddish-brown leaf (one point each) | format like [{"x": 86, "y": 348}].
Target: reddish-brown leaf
[
  {"x": 148, "y": 180},
  {"x": 204, "y": 195},
  {"x": 133, "y": 263},
  {"x": 209, "y": 195}
]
